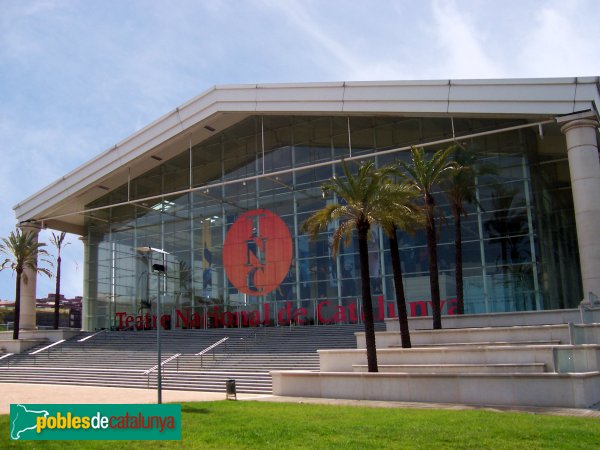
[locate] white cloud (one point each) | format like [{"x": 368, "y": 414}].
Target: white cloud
[
  {"x": 310, "y": 29},
  {"x": 463, "y": 43},
  {"x": 561, "y": 42}
]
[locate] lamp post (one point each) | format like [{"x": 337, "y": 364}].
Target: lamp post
[{"x": 158, "y": 269}]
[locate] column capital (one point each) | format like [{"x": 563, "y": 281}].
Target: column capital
[
  {"x": 579, "y": 123},
  {"x": 30, "y": 227}
]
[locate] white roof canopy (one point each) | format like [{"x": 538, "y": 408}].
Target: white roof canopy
[{"x": 223, "y": 106}]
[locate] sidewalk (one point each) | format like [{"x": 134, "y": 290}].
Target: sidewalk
[
  {"x": 54, "y": 393},
  {"x": 58, "y": 393}
]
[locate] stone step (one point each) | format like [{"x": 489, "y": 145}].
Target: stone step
[
  {"x": 535, "y": 333},
  {"x": 119, "y": 358},
  {"x": 456, "y": 368},
  {"x": 256, "y": 383},
  {"x": 560, "y": 358},
  {"x": 479, "y": 344},
  {"x": 565, "y": 390},
  {"x": 503, "y": 319}
]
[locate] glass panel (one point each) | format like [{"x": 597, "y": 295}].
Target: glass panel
[{"x": 519, "y": 239}]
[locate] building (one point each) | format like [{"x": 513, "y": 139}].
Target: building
[{"x": 203, "y": 208}]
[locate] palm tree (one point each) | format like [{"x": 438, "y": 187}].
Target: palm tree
[
  {"x": 58, "y": 241},
  {"x": 424, "y": 174},
  {"x": 459, "y": 189},
  {"x": 357, "y": 210},
  {"x": 398, "y": 213},
  {"x": 22, "y": 250}
]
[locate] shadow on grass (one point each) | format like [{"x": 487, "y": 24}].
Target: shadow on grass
[{"x": 192, "y": 410}]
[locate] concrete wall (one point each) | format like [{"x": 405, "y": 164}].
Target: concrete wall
[
  {"x": 571, "y": 358},
  {"x": 560, "y": 390},
  {"x": 530, "y": 334},
  {"x": 49, "y": 335},
  {"x": 492, "y": 320}
]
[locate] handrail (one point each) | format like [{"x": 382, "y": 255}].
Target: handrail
[
  {"x": 91, "y": 336},
  {"x": 6, "y": 355},
  {"x": 207, "y": 349},
  {"x": 169, "y": 359},
  {"x": 153, "y": 368},
  {"x": 47, "y": 347}
]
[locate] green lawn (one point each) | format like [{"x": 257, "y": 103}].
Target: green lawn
[{"x": 259, "y": 425}]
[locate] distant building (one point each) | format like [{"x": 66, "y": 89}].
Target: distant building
[
  {"x": 64, "y": 302},
  {"x": 216, "y": 191}
]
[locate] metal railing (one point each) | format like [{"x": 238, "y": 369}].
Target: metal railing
[
  {"x": 6, "y": 357},
  {"x": 211, "y": 347},
  {"x": 155, "y": 367},
  {"x": 91, "y": 336}
]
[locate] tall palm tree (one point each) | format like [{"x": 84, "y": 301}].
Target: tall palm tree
[
  {"x": 58, "y": 241},
  {"x": 459, "y": 189},
  {"x": 424, "y": 174},
  {"x": 22, "y": 250},
  {"x": 356, "y": 211},
  {"x": 398, "y": 213}
]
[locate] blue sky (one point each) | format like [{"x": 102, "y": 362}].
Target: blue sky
[{"x": 78, "y": 76}]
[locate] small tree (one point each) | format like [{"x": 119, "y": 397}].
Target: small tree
[
  {"x": 424, "y": 173},
  {"x": 58, "y": 241},
  {"x": 22, "y": 251}
]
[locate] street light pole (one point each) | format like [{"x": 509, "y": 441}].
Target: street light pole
[
  {"x": 158, "y": 347},
  {"x": 158, "y": 268}
]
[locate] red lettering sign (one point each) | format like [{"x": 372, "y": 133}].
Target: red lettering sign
[{"x": 328, "y": 312}]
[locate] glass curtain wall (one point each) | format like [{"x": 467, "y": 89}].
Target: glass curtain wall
[{"x": 519, "y": 241}]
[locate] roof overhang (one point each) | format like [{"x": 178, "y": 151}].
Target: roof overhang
[{"x": 223, "y": 106}]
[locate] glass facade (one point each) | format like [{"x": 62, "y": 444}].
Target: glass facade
[{"x": 519, "y": 238}]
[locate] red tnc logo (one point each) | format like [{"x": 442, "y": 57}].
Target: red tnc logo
[{"x": 257, "y": 253}]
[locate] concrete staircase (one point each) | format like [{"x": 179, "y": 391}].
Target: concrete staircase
[
  {"x": 513, "y": 359},
  {"x": 126, "y": 358}
]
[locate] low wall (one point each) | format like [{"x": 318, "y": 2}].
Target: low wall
[
  {"x": 534, "y": 334},
  {"x": 558, "y": 390},
  {"x": 565, "y": 358},
  {"x": 18, "y": 345},
  {"x": 49, "y": 335},
  {"x": 456, "y": 368},
  {"x": 586, "y": 334},
  {"x": 505, "y": 319}
]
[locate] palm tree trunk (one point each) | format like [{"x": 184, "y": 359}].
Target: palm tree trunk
[
  {"x": 399, "y": 287},
  {"x": 17, "y": 305},
  {"x": 434, "y": 281},
  {"x": 363, "y": 252},
  {"x": 57, "y": 295},
  {"x": 458, "y": 261}
]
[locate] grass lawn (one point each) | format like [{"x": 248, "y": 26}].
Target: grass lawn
[{"x": 258, "y": 425}]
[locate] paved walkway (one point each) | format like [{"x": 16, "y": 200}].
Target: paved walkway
[
  {"x": 49, "y": 393},
  {"x": 59, "y": 393}
]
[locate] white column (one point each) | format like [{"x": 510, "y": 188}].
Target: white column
[
  {"x": 28, "y": 290},
  {"x": 584, "y": 165},
  {"x": 86, "y": 306}
]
